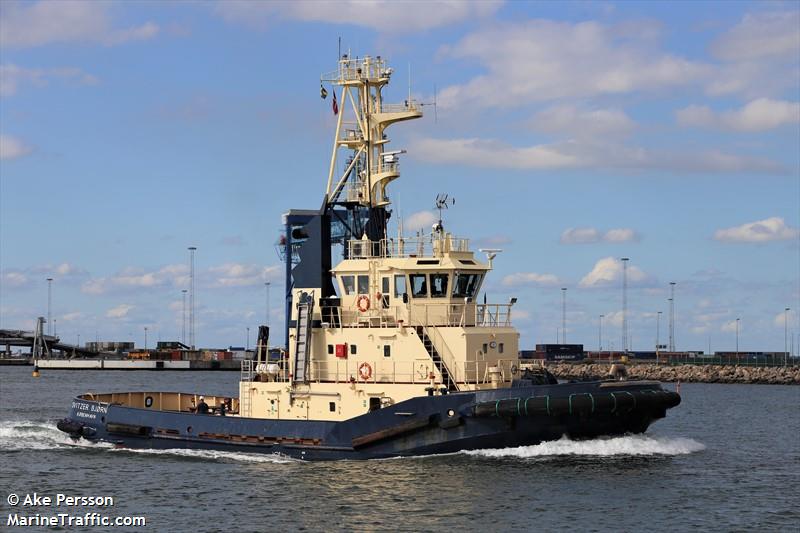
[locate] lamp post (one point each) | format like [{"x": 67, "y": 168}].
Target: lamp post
[
  {"x": 192, "y": 249},
  {"x": 145, "y": 338},
  {"x": 737, "y": 340},
  {"x": 600, "y": 335},
  {"x": 672, "y": 316},
  {"x": 266, "y": 307},
  {"x": 49, "y": 304},
  {"x": 247, "y": 346},
  {"x": 625, "y": 303},
  {"x": 785, "y": 336},
  {"x": 564, "y": 315},
  {"x": 658, "y": 331}
]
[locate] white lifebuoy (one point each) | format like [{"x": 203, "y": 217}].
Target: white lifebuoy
[
  {"x": 364, "y": 371},
  {"x": 363, "y": 303}
]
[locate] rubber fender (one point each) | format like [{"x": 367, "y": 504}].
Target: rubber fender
[
  {"x": 508, "y": 407},
  {"x": 581, "y": 404},
  {"x": 536, "y": 406},
  {"x": 485, "y": 409},
  {"x": 69, "y": 426},
  {"x": 672, "y": 399},
  {"x": 88, "y": 431},
  {"x": 603, "y": 403},
  {"x": 626, "y": 402},
  {"x": 559, "y": 406}
]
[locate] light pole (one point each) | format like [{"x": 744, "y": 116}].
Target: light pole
[
  {"x": 192, "y": 249},
  {"x": 247, "y": 346},
  {"x": 672, "y": 316},
  {"x": 624, "y": 303},
  {"x": 785, "y": 336},
  {"x": 79, "y": 340},
  {"x": 658, "y": 331},
  {"x": 183, "y": 321},
  {"x": 49, "y": 304},
  {"x": 266, "y": 316},
  {"x": 564, "y": 315},
  {"x": 737, "y": 340},
  {"x": 600, "y": 335},
  {"x": 145, "y": 338}
]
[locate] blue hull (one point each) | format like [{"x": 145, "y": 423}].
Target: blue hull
[{"x": 499, "y": 418}]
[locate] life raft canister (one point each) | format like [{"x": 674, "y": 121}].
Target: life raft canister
[
  {"x": 363, "y": 303},
  {"x": 364, "y": 371}
]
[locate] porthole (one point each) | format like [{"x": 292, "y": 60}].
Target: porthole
[{"x": 148, "y": 401}]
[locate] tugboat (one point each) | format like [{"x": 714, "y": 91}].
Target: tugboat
[{"x": 390, "y": 352}]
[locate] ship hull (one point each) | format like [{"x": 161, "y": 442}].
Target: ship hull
[{"x": 499, "y": 418}]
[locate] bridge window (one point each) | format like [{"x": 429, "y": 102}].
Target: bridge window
[
  {"x": 385, "y": 292},
  {"x": 363, "y": 284},
  {"x": 348, "y": 282},
  {"x": 399, "y": 286},
  {"x": 419, "y": 285},
  {"x": 387, "y": 350},
  {"x": 438, "y": 285},
  {"x": 466, "y": 285}
]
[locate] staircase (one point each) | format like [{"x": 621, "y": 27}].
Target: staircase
[
  {"x": 303, "y": 339},
  {"x": 437, "y": 359}
]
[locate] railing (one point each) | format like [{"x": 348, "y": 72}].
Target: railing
[
  {"x": 448, "y": 360},
  {"x": 408, "y": 105},
  {"x": 493, "y": 315},
  {"x": 419, "y": 314},
  {"x": 416, "y": 372},
  {"x": 357, "y": 69},
  {"x": 386, "y": 166},
  {"x": 430, "y": 246}
]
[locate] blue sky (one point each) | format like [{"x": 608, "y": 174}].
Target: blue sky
[{"x": 571, "y": 133}]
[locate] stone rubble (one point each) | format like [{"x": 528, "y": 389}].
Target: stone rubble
[{"x": 778, "y": 375}]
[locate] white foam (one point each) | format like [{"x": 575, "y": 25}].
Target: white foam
[
  {"x": 215, "y": 455},
  {"x": 37, "y": 435},
  {"x": 631, "y": 445}
]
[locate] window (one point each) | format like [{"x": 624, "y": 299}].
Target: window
[
  {"x": 353, "y": 349},
  {"x": 438, "y": 285},
  {"x": 363, "y": 284},
  {"x": 419, "y": 285},
  {"x": 385, "y": 292},
  {"x": 399, "y": 286},
  {"x": 387, "y": 350},
  {"x": 466, "y": 285},
  {"x": 348, "y": 282},
  {"x": 500, "y": 347},
  {"x": 485, "y": 348},
  {"x": 332, "y": 406},
  {"x": 330, "y": 349}
]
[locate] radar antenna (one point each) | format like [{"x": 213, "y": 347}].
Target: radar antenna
[{"x": 442, "y": 201}]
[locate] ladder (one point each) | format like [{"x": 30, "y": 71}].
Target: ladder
[
  {"x": 302, "y": 341},
  {"x": 437, "y": 359},
  {"x": 244, "y": 394}
]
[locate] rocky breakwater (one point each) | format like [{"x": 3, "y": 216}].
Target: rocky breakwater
[{"x": 778, "y": 375}]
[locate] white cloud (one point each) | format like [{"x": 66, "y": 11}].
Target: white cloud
[
  {"x": 239, "y": 275},
  {"x": 539, "y": 60},
  {"x": 421, "y": 220},
  {"x": 760, "y": 35},
  {"x": 593, "y": 235},
  {"x": 791, "y": 318},
  {"x": 730, "y": 326},
  {"x": 580, "y": 236},
  {"x": 15, "y": 279},
  {"x": 385, "y": 16},
  {"x": 573, "y": 121},
  {"x": 759, "y": 115},
  {"x": 11, "y": 148},
  {"x": 769, "y": 229},
  {"x": 120, "y": 311},
  {"x": 25, "y": 24},
  {"x": 489, "y": 153},
  {"x": 608, "y": 271},
  {"x": 71, "y": 317},
  {"x": 530, "y": 278},
  {"x": 12, "y": 77},
  {"x": 133, "y": 278}
]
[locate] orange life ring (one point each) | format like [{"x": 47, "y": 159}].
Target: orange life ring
[
  {"x": 363, "y": 303},
  {"x": 364, "y": 371}
]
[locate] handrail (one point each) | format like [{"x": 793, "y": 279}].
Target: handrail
[
  {"x": 428, "y": 246},
  {"x": 448, "y": 360}
]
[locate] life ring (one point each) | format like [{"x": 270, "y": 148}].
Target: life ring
[
  {"x": 514, "y": 369},
  {"x": 363, "y": 303},
  {"x": 364, "y": 371}
]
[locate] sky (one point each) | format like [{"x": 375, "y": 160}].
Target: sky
[{"x": 572, "y": 134}]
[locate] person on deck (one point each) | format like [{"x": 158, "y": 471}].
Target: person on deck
[{"x": 202, "y": 406}]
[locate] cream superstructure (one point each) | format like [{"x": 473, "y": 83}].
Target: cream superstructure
[{"x": 406, "y": 319}]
